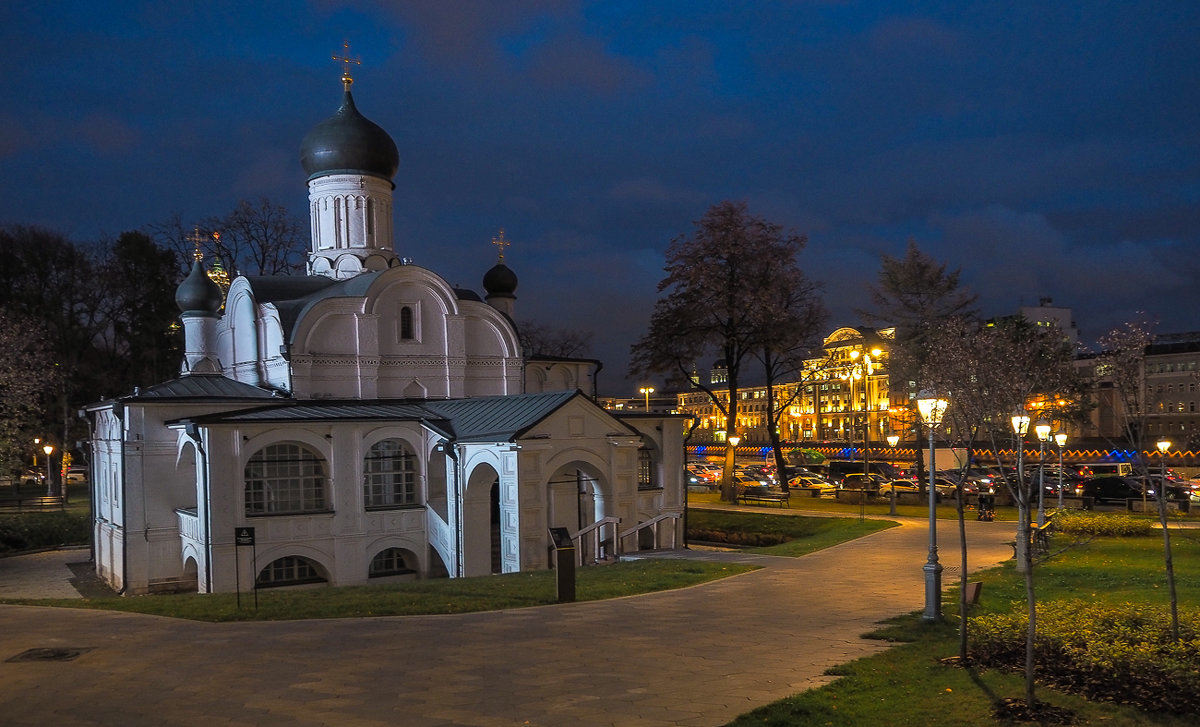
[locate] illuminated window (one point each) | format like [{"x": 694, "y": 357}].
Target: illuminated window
[{"x": 647, "y": 472}]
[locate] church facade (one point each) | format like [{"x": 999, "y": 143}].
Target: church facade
[{"x": 366, "y": 422}]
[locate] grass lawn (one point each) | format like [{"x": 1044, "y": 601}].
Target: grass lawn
[
  {"x": 513, "y": 590},
  {"x": 442, "y": 595},
  {"x": 800, "y": 535},
  {"x": 909, "y": 685}
]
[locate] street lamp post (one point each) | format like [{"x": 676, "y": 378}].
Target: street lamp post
[
  {"x": 1043, "y": 435},
  {"x": 1163, "y": 445},
  {"x": 48, "y": 449},
  {"x": 932, "y": 409},
  {"x": 1060, "y": 439},
  {"x": 646, "y": 391},
  {"x": 893, "y": 440}
]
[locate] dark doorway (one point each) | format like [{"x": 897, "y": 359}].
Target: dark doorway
[{"x": 495, "y": 528}]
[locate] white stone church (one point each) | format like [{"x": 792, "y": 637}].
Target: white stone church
[{"x": 366, "y": 422}]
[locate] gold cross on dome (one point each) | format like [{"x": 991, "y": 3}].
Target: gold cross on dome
[
  {"x": 346, "y": 60},
  {"x": 500, "y": 244},
  {"x": 196, "y": 238}
]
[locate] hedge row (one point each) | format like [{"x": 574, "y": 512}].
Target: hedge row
[
  {"x": 1083, "y": 522},
  {"x": 32, "y": 530},
  {"x": 1120, "y": 653},
  {"x": 753, "y": 540}
]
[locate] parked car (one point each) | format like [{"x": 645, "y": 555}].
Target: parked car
[
  {"x": 899, "y": 486},
  {"x": 811, "y": 482},
  {"x": 860, "y": 481},
  {"x": 77, "y": 475},
  {"x": 740, "y": 481},
  {"x": 1111, "y": 489}
]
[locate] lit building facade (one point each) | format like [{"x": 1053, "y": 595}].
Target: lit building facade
[{"x": 842, "y": 395}]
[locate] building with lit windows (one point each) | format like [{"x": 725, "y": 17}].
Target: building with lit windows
[
  {"x": 842, "y": 396},
  {"x": 366, "y": 422},
  {"x": 1171, "y": 396}
]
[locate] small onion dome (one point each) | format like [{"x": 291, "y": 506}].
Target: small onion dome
[
  {"x": 500, "y": 280},
  {"x": 348, "y": 143},
  {"x": 198, "y": 294}
]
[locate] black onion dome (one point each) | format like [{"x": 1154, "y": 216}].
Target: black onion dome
[
  {"x": 349, "y": 143},
  {"x": 198, "y": 294},
  {"x": 500, "y": 280}
]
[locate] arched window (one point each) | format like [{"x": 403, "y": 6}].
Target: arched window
[
  {"x": 289, "y": 571},
  {"x": 406, "y": 324},
  {"x": 389, "y": 562},
  {"x": 285, "y": 478},
  {"x": 389, "y": 475}
]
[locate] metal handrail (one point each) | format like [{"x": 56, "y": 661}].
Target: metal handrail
[
  {"x": 595, "y": 531},
  {"x": 653, "y": 523}
]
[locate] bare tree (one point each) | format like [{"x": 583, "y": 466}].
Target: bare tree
[
  {"x": 1003, "y": 367},
  {"x": 1122, "y": 361},
  {"x": 714, "y": 299},
  {"x": 260, "y": 238},
  {"x": 540, "y": 339},
  {"x": 792, "y": 318}
]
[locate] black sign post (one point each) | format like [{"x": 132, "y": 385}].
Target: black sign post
[
  {"x": 564, "y": 563},
  {"x": 244, "y": 536}
]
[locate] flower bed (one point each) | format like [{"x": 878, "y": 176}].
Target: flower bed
[{"x": 1120, "y": 653}]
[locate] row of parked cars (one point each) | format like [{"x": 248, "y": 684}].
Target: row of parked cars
[{"x": 975, "y": 481}]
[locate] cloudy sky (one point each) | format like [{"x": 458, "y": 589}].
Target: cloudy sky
[{"x": 1047, "y": 149}]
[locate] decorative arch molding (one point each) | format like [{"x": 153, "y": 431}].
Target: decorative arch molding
[
  {"x": 318, "y": 443},
  {"x": 414, "y": 436},
  {"x": 403, "y": 276}
]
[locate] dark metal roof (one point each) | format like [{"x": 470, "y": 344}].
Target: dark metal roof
[
  {"x": 493, "y": 418},
  {"x": 198, "y": 386},
  {"x": 203, "y": 386},
  {"x": 482, "y": 419}
]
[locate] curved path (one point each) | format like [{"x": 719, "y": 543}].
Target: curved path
[{"x": 697, "y": 656}]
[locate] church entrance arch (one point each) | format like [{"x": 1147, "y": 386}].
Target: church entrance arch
[{"x": 578, "y": 497}]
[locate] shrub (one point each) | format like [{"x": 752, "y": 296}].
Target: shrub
[
  {"x": 755, "y": 540},
  {"x": 1117, "y": 653},
  {"x": 27, "y": 531},
  {"x": 1082, "y": 522}
]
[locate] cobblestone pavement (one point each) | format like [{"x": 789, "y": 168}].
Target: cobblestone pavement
[{"x": 693, "y": 657}]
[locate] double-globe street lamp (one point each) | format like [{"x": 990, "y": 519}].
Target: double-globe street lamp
[
  {"x": 646, "y": 391},
  {"x": 932, "y": 409}
]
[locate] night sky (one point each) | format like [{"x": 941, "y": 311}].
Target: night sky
[{"x": 1047, "y": 149}]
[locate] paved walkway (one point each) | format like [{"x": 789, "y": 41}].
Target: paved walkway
[{"x": 694, "y": 657}]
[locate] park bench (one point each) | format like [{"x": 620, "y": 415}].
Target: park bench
[
  {"x": 1040, "y": 534},
  {"x": 764, "y": 495},
  {"x": 1039, "y": 537}
]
